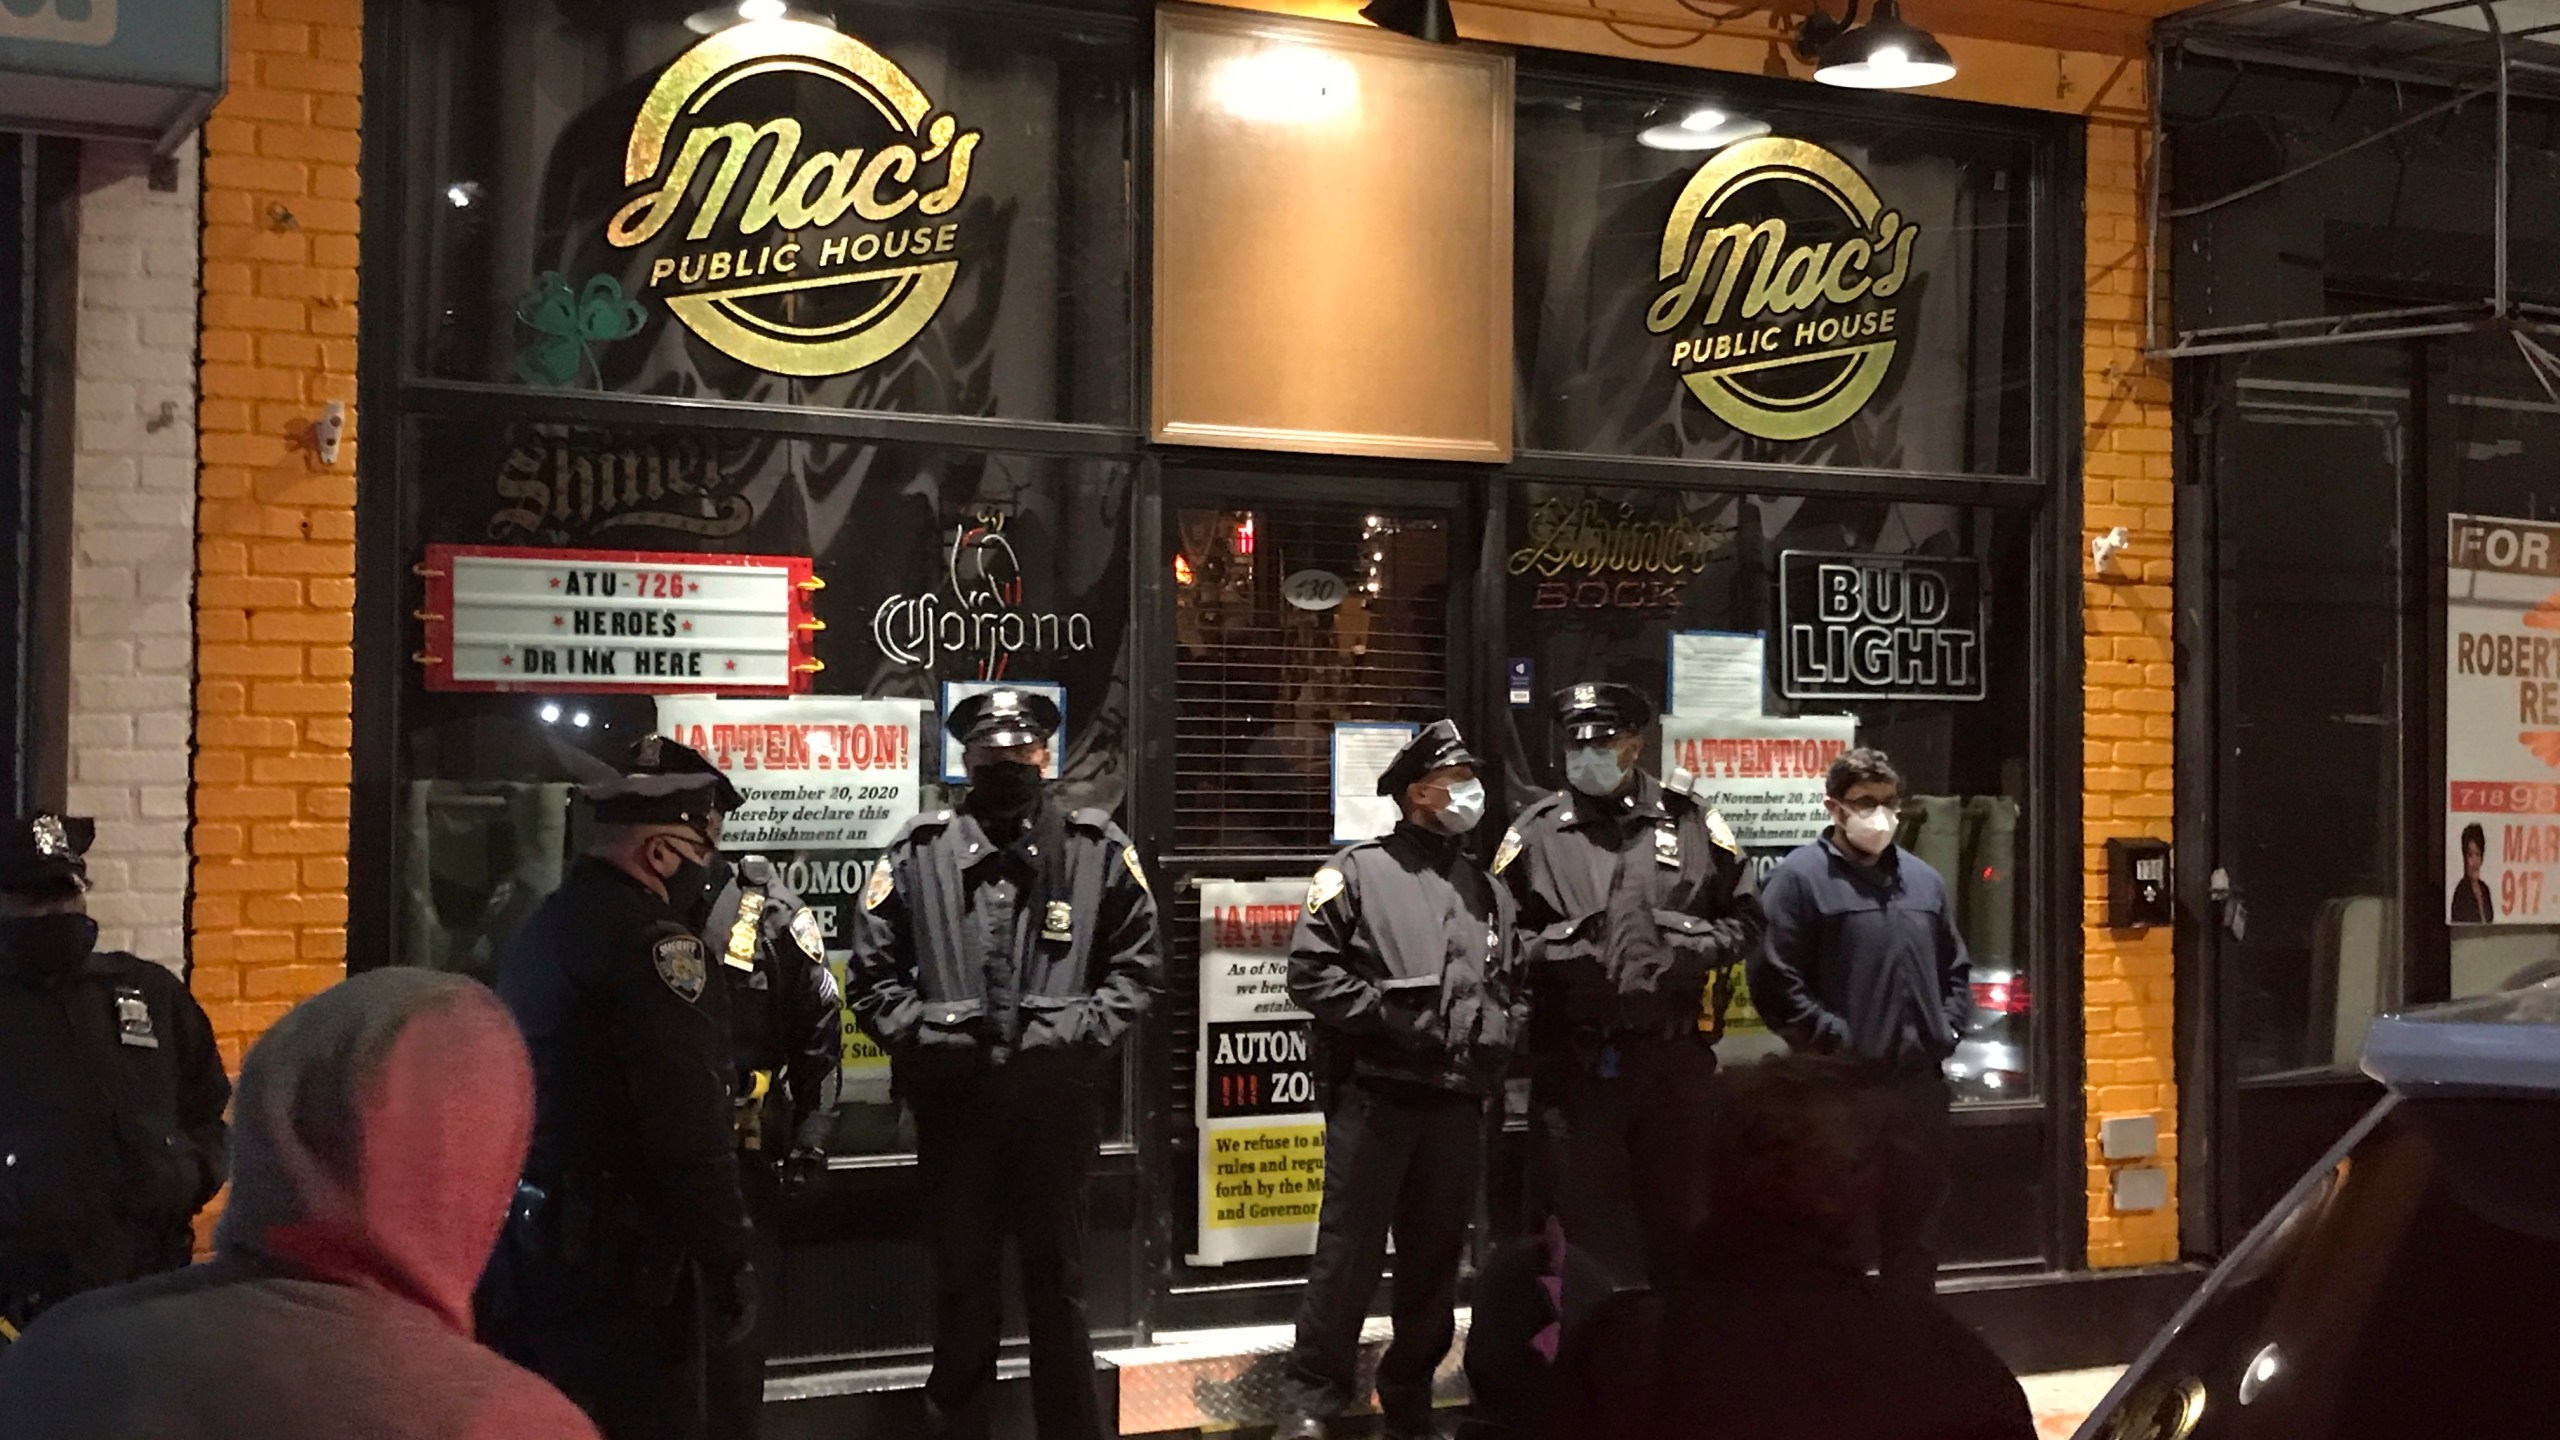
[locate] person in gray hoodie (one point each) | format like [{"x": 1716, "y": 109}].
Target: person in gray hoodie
[{"x": 378, "y": 1133}]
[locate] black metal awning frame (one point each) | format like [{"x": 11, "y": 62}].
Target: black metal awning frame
[{"x": 2426, "y": 46}]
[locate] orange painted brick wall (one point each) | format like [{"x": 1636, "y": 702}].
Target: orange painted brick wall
[
  {"x": 275, "y": 592},
  {"x": 2130, "y": 717}
]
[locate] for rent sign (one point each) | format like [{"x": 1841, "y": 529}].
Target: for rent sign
[{"x": 2502, "y": 722}]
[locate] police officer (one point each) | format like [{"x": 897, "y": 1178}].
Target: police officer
[
  {"x": 1004, "y": 951},
  {"x": 626, "y": 1253},
  {"x": 1635, "y": 911},
  {"x": 786, "y": 1034},
  {"x": 1404, "y": 957},
  {"x": 111, "y": 1089}
]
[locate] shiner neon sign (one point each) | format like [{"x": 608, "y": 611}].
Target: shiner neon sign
[{"x": 1879, "y": 627}]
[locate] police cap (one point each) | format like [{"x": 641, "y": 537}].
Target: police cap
[
  {"x": 691, "y": 800},
  {"x": 1003, "y": 717},
  {"x": 40, "y": 854},
  {"x": 1437, "y": 747},
  {"x": 1598, "y": 710},
  {"x": 658, "y": 755}
]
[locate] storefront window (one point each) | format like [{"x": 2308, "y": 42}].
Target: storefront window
[
  {"x": 920, "y": 212},
  {"x": 1712, "y": 603},
  {"x": 1707, "y": 273},
  {"x": 941, "y": 569}
]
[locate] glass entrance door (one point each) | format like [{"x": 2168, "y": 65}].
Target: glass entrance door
[{"x": 1302, "y": 630}]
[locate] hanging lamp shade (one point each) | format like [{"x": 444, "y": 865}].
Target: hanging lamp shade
[
  {"x": 1886, "y": 53},
  {"x": 1422, "y": 19}
]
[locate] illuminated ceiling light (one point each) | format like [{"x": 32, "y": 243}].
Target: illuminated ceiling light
[
  {"x": 1422, "y": 19},
  {"x": 550, "y": 714},
  {"x": 1292, "y": 83},
  {"x": 579, "y": 719},
  {"x": 2263, "y": 1369},
  {"x": 713, "y": 20},
  {"x": 462, "y": 194},
  {"x": 1886, "y": 53},
  {"x": 1702, "y": 129}
]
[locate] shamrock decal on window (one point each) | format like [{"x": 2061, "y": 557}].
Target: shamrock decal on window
[{"x": 571, "y": 321}]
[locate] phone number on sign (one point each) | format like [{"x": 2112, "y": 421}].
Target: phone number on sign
[{"x": 2505, "y": 797}]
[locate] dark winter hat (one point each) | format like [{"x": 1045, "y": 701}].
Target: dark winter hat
[
  {"x": 40, "y": 854},
  {"x": 1003, "y": 717},
  {"x": 657, "y": 800},
  {"x": 1597, "y": 711},
  {"x": 658, "y": 755},
  {"x": 1437, "y": 747}
]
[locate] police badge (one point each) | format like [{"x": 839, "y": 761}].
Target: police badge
[
  {"x": 741, "y": 954},
  {"x": 812, "y": 940},
  {"x": 1060, "y": 921},
  {"x": 679, "y": 962},
  {"x": 133, "y": 1019}
]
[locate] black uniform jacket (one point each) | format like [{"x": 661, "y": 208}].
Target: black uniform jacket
[
  {"x": 1694, "y": 915},
  {"x": 786, "y": 1017},
  {"x": 1406, "y": 959},
  {"x": 630, "y": 1039},
  {"x": 1863, "y": 959},
  {"x": 1084, "y": 965},
  {"x": 111, "y": 1101}
]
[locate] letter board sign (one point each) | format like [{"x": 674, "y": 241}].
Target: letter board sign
[
  {"x": 1879, "y": 627},
  {"x": 636, "y": 622}
]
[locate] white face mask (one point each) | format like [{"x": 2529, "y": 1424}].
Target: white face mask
[
  {"x": 1465, "y": 807},
  {"x": 1872, "y": 832},
  {"x": 1594, "y": 770}
]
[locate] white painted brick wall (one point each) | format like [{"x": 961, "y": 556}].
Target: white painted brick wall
[{"x": 132, "y": 723}]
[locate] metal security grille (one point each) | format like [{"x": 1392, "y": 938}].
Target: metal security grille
[{"x": 1289, "y": 619}]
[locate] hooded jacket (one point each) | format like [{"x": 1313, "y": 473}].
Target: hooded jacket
[{"x": 377, "y": 1137}]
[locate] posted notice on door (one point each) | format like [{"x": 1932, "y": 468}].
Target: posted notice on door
[
  {"x": 1261, "y": 1131},
  {"x": 2502, "y": 722},
  {"x": 819, "y": 772}
]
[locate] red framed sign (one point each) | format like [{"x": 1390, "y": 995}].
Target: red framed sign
[{"x": 638, "y": 621}]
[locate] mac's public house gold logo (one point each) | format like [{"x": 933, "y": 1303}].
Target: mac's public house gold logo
[
  {"x": 1783, "y": 266},
  {"x": 801, "y": 266}
]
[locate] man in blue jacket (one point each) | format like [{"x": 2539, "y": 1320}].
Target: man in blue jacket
[{"x": 1862, "y": 960}]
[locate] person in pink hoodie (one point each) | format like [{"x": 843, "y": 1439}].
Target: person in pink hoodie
[{"x": 377, "y": 1134}]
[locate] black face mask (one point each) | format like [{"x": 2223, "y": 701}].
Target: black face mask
[
  {"x": 1004, "y": 787},
  {"x": 47, "y": 947},
  {"x": 689, "y": 891}
]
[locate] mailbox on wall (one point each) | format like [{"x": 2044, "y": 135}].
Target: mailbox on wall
[{"x": 2139, "y": 895}]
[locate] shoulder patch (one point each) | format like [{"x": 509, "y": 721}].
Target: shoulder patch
[
  {"x": 1327, "y": 886},
  {"x": 1507, "y": 851},
  {"x": 1137, "y": 872},
  {"x": 1722, "y": 834},
  {"x": 804, "y": 931},
  {"x": 882, "y": 882},
  {"x": 679, "y": 962}
]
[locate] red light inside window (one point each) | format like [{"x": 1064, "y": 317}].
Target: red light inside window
[
  {"x": 2001, "y": 997},
  {"x": 1181, "y": 570},
  {"x": 1244, "y": 536}
]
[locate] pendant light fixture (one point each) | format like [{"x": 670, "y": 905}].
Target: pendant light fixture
[
  {"x": 1422, "y": 19},
  {"x": 1886, "y": 53}
]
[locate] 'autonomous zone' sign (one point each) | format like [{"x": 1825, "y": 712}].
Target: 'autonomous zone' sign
[{"x": 1879, "y": 627}]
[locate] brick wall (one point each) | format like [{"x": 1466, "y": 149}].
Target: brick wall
[
  {"x": 2131, "y": 710},
  {"x": 276, "y": 554},
  {"x": 133, "y": 515}
]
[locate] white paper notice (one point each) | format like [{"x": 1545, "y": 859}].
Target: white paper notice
[
  {"x": 1361, "y": 753},
  {"x": 1763, "y": 773},
  {"x": 1261, "y": 1129},
  {"x": 1715, "y": 673},
  {"x": 819, "y": 772}
]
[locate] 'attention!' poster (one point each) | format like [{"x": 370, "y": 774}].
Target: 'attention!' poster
[
  {"x": 2502, "y": 722},
  {"x": 1261, "y": 1132}
]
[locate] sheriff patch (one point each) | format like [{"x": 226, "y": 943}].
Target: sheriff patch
[
  {"x": 1328, "y": 885},
  {"x": 1507, "y": 851},
  {"x": 805, "y": 932},
  {"x": 1722, "y": 834},
  {"x": 679, "y": 962},
  {"x": 882, "y": 882},
  {"x": 1129, "y": 857}
]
